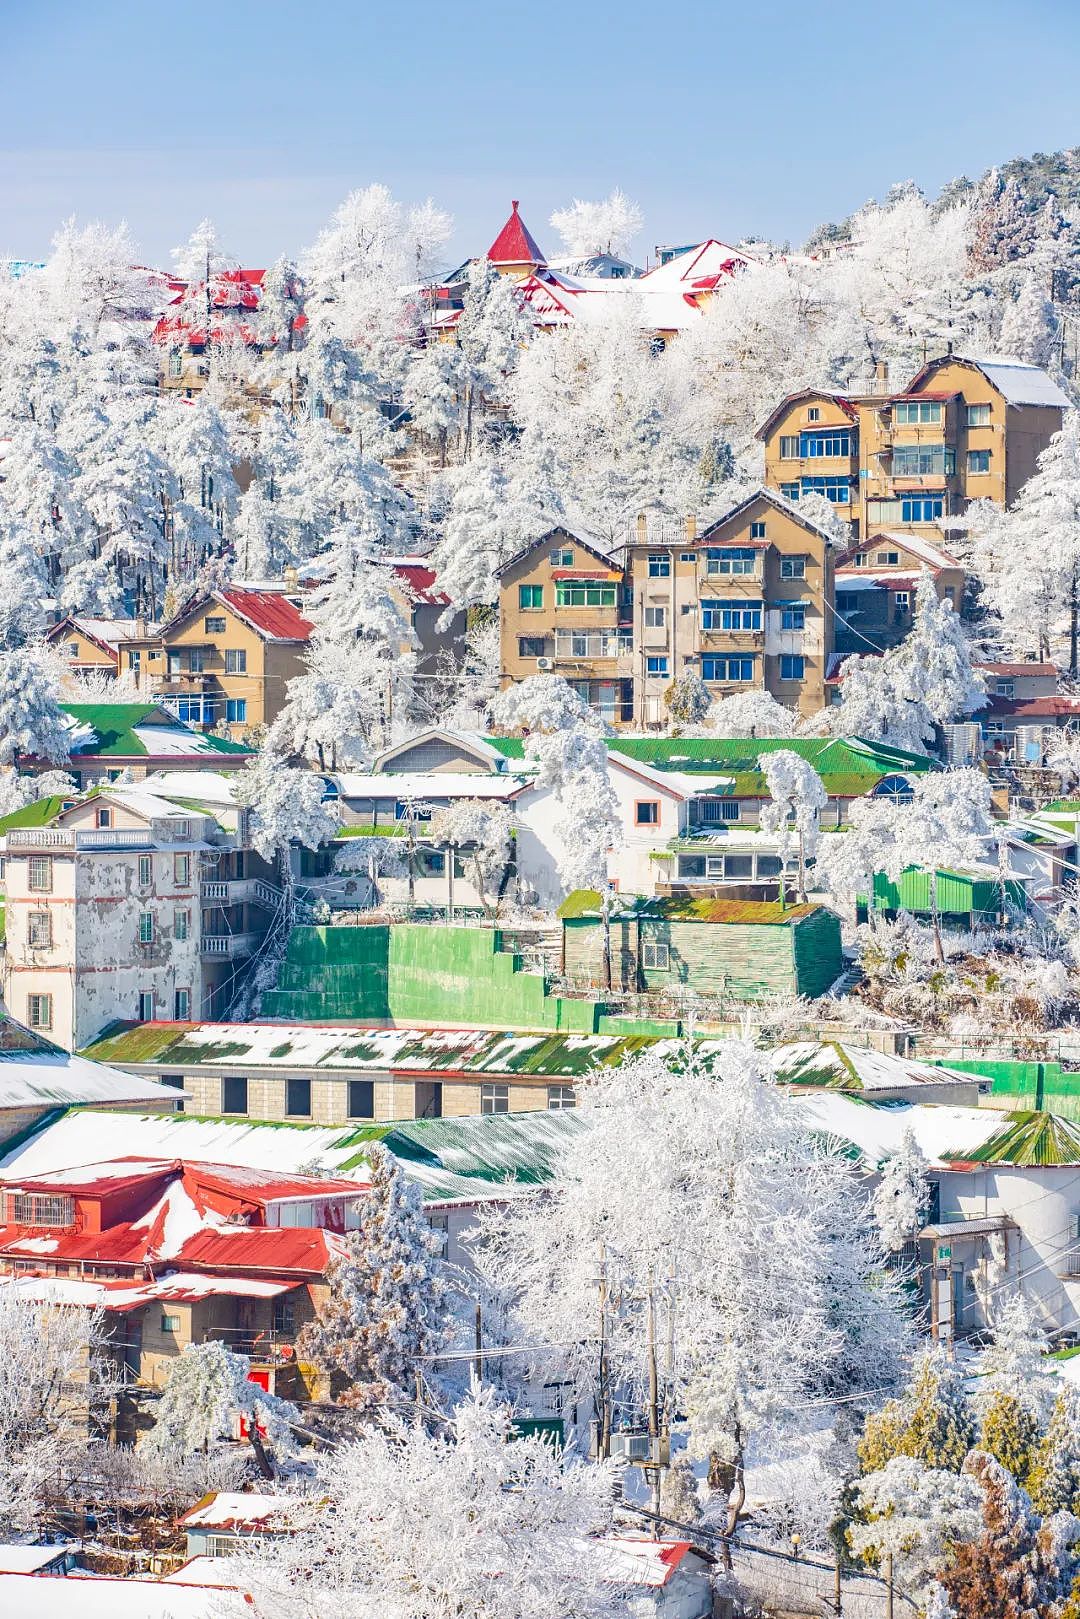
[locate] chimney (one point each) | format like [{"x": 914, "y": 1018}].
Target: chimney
[
  {"x": 691, "y": 527},
  {"x": 642, "y": 529},
  {"x": 881, "y": 376}
]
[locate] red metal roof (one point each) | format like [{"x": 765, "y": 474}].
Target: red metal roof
[
  {"x": 515, "y": 243},
  {"x": 1043, "y": 670},
  {"x": 1035, "y": 707},
  {"x": 273, "y": 615},
  {"x": 297, "y": 1250},
  {"x": 419, "y": 580}
]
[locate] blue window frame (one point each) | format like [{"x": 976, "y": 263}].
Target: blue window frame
[
  {"x": 793, "y": 615},
  {"x": 838, "y": 490},
  {"x": 656, "y": 667},
  {"x": 659, "y": 565},
  {"x": 735, "y": 560},
  {"x": 730, "y": 667},
  {"x": 792, "y": 666},
  {"x": 731, "y": 615},
  {"x": 192, "y": 710},
  {"x": 826, "y": 442},
  {"x": 922, "y": 509},
  {"x": 236, "y": 710},
  {"x": 790, "y": 491}
]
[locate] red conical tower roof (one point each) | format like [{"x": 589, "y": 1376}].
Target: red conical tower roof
[{"x": 515, "y": 243}]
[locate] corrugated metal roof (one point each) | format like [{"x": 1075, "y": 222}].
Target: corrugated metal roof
[{"x": 1029, "y": 1139}]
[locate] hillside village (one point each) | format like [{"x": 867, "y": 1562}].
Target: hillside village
[{"x": 539, "y": 837}]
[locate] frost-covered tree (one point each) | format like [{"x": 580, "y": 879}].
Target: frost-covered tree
[
  {"x": 468, "y": 1520},
  {"x": 482, "y": 830},
  {"x": 388, "y": 1304},
  {"x": 285, "y": 805},
  {"x": 696, "y": 1203},
  {"x": 902, "y": 1194},
  {"x": 1016, "y": 1567},
  {"x": 932, "y": 1420},
  {"x": 206, "y": 1398},
  {"x": 22, "y": 614},
  {"x": 496, "y": 507},
  {"x": 588, "y": 228},
  {"x": 749, "y": 714},
  {"x": 915, "y": 1515},
  {"x": 924, "y": 682},
  {"x": 1054, "y": 1480},
  {"x": 687, "y": 700},
  {"x": 32, "y": 724},
  {"x": 1014, "y": 1362},
  {"x": 1030, "y": 325},
  {"x": 797, "y": 797},
  {"x": 565, "y": 739},
  {"x": 490, "y": 333}
]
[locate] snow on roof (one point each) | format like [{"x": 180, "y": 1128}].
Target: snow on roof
[
  {"x": 215, "y": 1571},
  {"x": 877, "y": 1131},
  {"x": 30, "y": 1079},
  {"x": 16, "y": 1558},
  {"x": 201, "y": 786},
  {"x": 428, "y": 785},
  {"x": 179, "y": 1287},
  {"x": 1044, "y": 671},
  {"x": 234, "y": 1509},
  {"x": 696, "y": 268},
  {"x": 36, "y": 1596},
  {"x": 419, "y": 579},
  {"x": 1018, "y": 382},
  {"x": 472, "y": 741},
  {"x": 834, "y": 1065},
  {"x": 629, "y": 1560},
  {"x": 935, "y": 556},
  {"x": 269, "y": 612}
]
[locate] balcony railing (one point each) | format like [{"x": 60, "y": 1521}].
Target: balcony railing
[
  {"x": 228, "y": 944},
  {"x": 243, "y": 891},
  {"x": 63, "y": 837}
]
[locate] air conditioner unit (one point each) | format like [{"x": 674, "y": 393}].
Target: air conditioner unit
[
  {"x": 631, "y": 1447},
  {"x": 545, "y": 663}
]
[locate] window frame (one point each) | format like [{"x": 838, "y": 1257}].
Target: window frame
[
  {"x": 147, "y": 928},
  {"x": 297, "y": 1088},
  {"x": 181, "y": 1005},
  {"x": 349, "y": 1094},
  {"x": 494, "y": 1099},
  {"x": 793, "y": 567},
  {"x": 658, "y": 565},
  {"x": 182, "y": 925},
  {"x": 145, "y": 870},
  {"x": 646, "y": 804},
  {"x": 233, "y": 1080},
  {"x": 659, "y": 950},
  {"x": 39, "y": 1010},
  {"x": 561, "y": 1098},
  {"x": 787, "y": 666},
  {"x": 657, "y": 666},
  {"x": 530, "y": 598},
  {"x": 236, "y": 660},
  {"x": 214, "y": 624}
]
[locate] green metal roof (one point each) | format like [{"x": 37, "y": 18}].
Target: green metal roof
[
  {"x": 848, "y": 766},
  {"x": 1029, "y": 1139},
  {"x": 584, "y": 904},
  {"x": 39, "y": 813},
  {"x": 114, "y": 729}
]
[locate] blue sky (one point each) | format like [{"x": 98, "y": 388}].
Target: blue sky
[{"x": 719, "y": 118}]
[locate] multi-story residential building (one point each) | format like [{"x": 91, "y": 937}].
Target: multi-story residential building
[
  {"x": 129, "y": 904},
  {"x": 92, "y": 645},
  {"x": 747, "y": 603},
  {"x": 962, "y": 429},
  {"x": 876, "y": 581}
]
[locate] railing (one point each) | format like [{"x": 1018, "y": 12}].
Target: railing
[
  {"x": 59, "y": 837},
  {"x": 277, "y": 1348},
  {"x": 227, "y": 944},
  {"x": 238, "y": 890}
]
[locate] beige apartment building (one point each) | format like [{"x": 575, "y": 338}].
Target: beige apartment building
[
  {"x": 962, "y": 430},
  {"x": 746, "y": 603}
]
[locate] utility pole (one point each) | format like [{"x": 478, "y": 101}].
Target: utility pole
[
  {"x": 603, "y": 1444},
  {"x": 838, "y": 1596},
  {"x": 654, "y": 1397},
  {"x": 478, "y": 1364},
  {"x": 605, "y": 920},
  {"x": 889, "y": 1586}
]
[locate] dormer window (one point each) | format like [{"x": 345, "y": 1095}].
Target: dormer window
[
  {"x": 813, "y": 414},
  {"x": 104, "y": 817}
]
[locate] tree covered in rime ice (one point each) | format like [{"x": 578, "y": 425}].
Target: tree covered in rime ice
[
  {"x": 749, "y": 714},
  {"x": 1054, "y": 1480},
  {"x": 32, "y": 724},
  {"x": 207, "y": 1396},
  {"x": 694, "y": 1202},
  {"x": 43, "y": 1348},
  {"x": 1018, "y": 1566},
  {"x": 915, "y": 1514},
  {"x": 1014, "y": 1362},
  {"x": 902, "y": 1195},
  {"x": 467, "y": 1520},
  {"x": 496, "y": 508},
  {"x": 797, "y": 797},
  {"x": 490, "y": 334},
  {"x": 482, "y": 830},
  {"x": 588, "y": 228},
  {"x": 687, "y": 700},
  {"x": 931, "y": 1420},
  {"x": 388, "y": 1304},
  {"x": 925, "y": 681},
  {"x": 565, "y": 738},
  {"x": 286, "y": 806}
]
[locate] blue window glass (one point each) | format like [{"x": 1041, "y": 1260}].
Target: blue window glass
[
  {"x": 731, "y": 615},
  {"x": 838, "y": 490},
  {"x": 922, "y": 509},
  {"x": 736, "y": 560},
  {"x": 656, "y": 666},
  {"x": 191, "y": 710},
  {"x": 978, "y": 460},
  {"x": 790, "y": 491},
  {"x": 236, "y": 710},
  {"x": 792, "y": 615},
  {"x": 923, "y": 460},
  {"x": 792, "y": 666},
  {"x": 826, "y": 442},
  {"x": 727, "y": 668}
]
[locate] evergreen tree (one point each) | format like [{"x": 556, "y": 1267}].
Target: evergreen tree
[
  {"x": 1017, "y": 1568},
  {"x": 932, "y": 1421},
  {"x": 207, "y": 1394},
  {"x": 1009, "y": 1432},
  {"x": 31, "y": 720},
  {"x": 388, "y": 1297},
  {"x": 902, "y": 1194},
  {"x": 1054, "y": 1481}
]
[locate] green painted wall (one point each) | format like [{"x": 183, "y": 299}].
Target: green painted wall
[
  {"x": 957, "y": 895},
  {"x": 1024, "y": 1086},
  {"x": 819, "y": 958},
  {"x": 408, "y": 972}
]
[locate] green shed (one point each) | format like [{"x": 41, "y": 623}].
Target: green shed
[{"x": 973, "y": 898}]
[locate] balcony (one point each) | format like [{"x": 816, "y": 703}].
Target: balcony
[
  {"x": 228, "y": 945},
  {"x": 242, "y": 891},
  {"x": 59, "y": 837}
]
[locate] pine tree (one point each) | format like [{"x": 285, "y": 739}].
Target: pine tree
[
  {"x": 1009, "y": 1432},
  {"x": 932, "y": 1421},
  {"x": 31, "y": 720},
  {"x": 387, "y": 1308},
  {"x": 207, "y": 1394},
  {"x": 1018, "y": 1568},
  {"x": 1054, "y": 1481}
]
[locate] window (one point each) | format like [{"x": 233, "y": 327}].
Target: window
[
  {"x": 146, "y": 870},
  {"x": 655, "y": 618},
  {"x": 790, "y": 491},
  {"x": 135, "y": 658},
  {"x": 103, "y": 817},
  {"x": 182, "y": 1005},
  {"x": 39, "y": 874},
  {"x": 583, "y": 593},
  {"x": 560, "y": 1098},
  {"x": 298, "y": 1098},
  {"x": 793, "y": 567},
  {"x": 656, "y": 668},
  {"x": 146, "y": 1006},
  {"x": 831, "y": 441},
  {"x": 691, "y": 865},
  {"x": 494, "y": 1099},
  {"x": 647, "y": 812},
  {"x": 39, "y": 1011},
  {"x": 172, "y": 663},
  {"x": 792, "y": 666},
  {"x": 793, "y": 615},
  {"x": 910, "y": 412},
  {"x": 283, "y": 1316},
  {"x": 236, "y": 710},
  {"x": 757, "y": 530},
  {"x": 727, "y": 668},
  {"x": 181, "y": 925},
  {"x": 1004, "y": 688},
  {"x": 176, "y": 1081},
  {"x": 234, "y": 1094},
  {"x": 192, "y": 710},
  {"x": 73, "y": 649},
  {"x": 978, "y": 461},
  {"x": 687, "y": 556},
  {"x": 978, "y": 415},
  {"x": 925, "y": 510},
  {"x": 659, "y": 565},
  {"x": 181, "y": 870},
  {"x": 531, "y": 646},
  {"x": 561, "y": 559},
  {"x": 197, "y": 659},
  {"x": 592, "y": 643},
  {"x": 171, "y": 1323},
  {"x": 655, "y": 957},
  {"x": 738, "y": 867},
  {"x": 923, "y": 461},
  {"x": 888, "y": 558},
  {"x": 738, "y": 560},
  {"x": 862, "y": 560},
  {"x": 768, "y": 865},
  {"x": 731, "y": 615},
  {"x": 903, "y": 603},
  {"x": 895, "y": 788},
  {"x": 789, "y": 446},
  {"x": 146, "y": 927},
  {"x": 214, "y": 626},
  {"x": 176, "y": 363},
  {"x": 836, "y": 489},
  {"x": 813, "y": 414},
  {"x": 235, "y": 661},
  {"x": 361, "y": 1098},
  {"x": 530, "y": 597},
  {"x": 718, "y": 809},
  {"x": 39, "y": 930}
]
